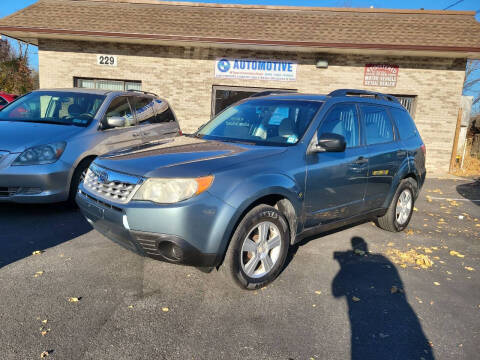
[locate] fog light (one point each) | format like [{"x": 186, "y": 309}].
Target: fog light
[{"x": 171, "y": 251}]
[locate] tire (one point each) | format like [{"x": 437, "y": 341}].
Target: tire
[
  {"x": 259, "y": 267},
  {"x": 77, "y": 178},
  {"x": 394, "y": 220}
]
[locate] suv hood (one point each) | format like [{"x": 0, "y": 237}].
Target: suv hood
[
  {"x": 184, "y": 157},
  {"x": 17, "y": 136}
]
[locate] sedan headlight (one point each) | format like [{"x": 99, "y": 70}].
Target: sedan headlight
[
  {"x": 42, "y": 154},
  {"x": 169, "y": 191}
]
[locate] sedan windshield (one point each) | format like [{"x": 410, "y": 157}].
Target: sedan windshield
[
  {"x": 54, "y": 107},
  {"x": 262, "y": 121}
]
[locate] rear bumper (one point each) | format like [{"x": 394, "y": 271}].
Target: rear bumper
[
  {"x": 175, "y": 239},
  {"x": 35, "y": 184}
]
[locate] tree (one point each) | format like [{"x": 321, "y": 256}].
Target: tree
[
  {"x": 15, "y": 74},
  {"x": 471, "y": 85}
]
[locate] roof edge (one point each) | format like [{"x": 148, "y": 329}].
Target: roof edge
[
  {"x": 277, "y": 7},
  {"x": 233, "y": 41}
]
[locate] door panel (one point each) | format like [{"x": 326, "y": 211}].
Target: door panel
[
  {"x": 384, "y": 154},
  {"x": 336, "y": 181},
  {"x": 335, "y": 185},
  {"x": 121, "y": 137}
]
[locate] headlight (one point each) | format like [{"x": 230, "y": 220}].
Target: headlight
[
  {"x": 169, "y": 191},
  {"x": 42, "y": 154}
]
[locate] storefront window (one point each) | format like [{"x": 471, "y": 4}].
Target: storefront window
[{"x": 105, "y": 84}]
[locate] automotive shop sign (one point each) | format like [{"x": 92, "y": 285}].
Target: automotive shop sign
[{"x": 276, "y": 70}]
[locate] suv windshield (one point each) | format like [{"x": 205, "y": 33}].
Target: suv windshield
[
  {"x": 262, "y": 121},
  {"x": 54, "y": 107}
]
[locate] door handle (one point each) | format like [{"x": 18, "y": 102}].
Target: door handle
[{"x": 361, "y": 160}]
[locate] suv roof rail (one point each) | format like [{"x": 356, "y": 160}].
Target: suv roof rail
[
  {"x": 272, "y": 92},
  {"x": 143, "y": 92},
  {"x": 363, "y": 93}
]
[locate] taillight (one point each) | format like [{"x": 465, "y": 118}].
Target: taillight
[
  {"x": 180, "y": 132},
  {"x": 424, "y": 149}
]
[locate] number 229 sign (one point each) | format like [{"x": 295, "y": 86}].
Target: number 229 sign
[{"x": 107, "y": 60}]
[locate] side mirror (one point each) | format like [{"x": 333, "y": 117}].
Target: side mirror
[
  {"x": 331, "y": 143},
  {"x": 115, "y": 121}
]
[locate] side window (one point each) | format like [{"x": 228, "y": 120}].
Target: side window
[
  {"x": 143, "y": 109},
  {"x": 120, "y": 107},
  {"x": 2, "y": 101},
  {"x": 342, "y": 120},
  {"x": 378, "y": 127},
  {"x": 405, "y": 125},
  {"x": 163, "y": 113}
]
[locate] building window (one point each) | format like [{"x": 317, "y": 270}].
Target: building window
[
  {"x": 106, "y": 84},
  {"x": 224, "y": 96},
  {"x": 408, "y": 102}
]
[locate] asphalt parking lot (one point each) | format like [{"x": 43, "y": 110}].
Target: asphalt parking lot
[{"x": 384, "y": 300}]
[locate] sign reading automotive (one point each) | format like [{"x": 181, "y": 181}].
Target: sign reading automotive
[
  {"x": 107, "y": 60},
  {"x": 276, "y": 70},
  {"x": 381, "y": 75}
]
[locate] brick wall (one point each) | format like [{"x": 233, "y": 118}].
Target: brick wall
[{"x": 185, "y": 76}]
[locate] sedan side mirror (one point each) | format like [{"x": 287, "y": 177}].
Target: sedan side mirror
[
  {"x": 115, "y": 121},
  {"x": 331, "y": 143}
]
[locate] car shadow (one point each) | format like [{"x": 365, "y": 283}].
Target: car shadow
[
  {"x": 383, "y": 324},
  {"x": 27, "y": 228},
  {"x": 470, "y": 191}
]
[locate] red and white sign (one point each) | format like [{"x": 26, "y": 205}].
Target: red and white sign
[{"x": 381, "y": 75}]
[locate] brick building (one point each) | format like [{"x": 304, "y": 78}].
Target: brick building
[{"x": 203, "y": 57}]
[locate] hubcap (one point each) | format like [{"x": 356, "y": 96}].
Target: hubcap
[
  {"x": 404, "y": 207},
  {"x": 261, "y": 249}
]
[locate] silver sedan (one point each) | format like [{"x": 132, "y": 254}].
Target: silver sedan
[{"x": 48, "y": 138}]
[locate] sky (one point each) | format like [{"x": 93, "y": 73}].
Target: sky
[{"x": 9, "y": 6}]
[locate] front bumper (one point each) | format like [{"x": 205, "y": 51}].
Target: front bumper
[
  {"x": 190, "y": 233},
  {"x": 36, "y": 183}
]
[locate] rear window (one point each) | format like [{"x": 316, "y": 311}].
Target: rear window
[{"x": 405, "y": 125}]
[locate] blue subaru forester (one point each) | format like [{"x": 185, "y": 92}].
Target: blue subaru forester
[{"x": 263, "y": 174}]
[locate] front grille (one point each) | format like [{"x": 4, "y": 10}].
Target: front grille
[
  {"x": 8, "y": 191},
  {"x": 111, "y": 185}
]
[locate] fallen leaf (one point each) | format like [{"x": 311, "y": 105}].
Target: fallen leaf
[
  {"x": 165, "y": 309},
  {"x": 44, "y": 354},
  {"x": 456, "y": 253},
  {"x": 477, "y": 225},
  {"x": 44, "y": 321},
  {"x": 318, "y": 292},
  {"x": 427, "y": 250},
  {"x": 390, "y": 244},
  {"x": 438, "y": 191},
  {"x": 410, "y": 232},
  {"x": 469, "y": 268},
  {"x": 429, "y": 198},
  {"x": 436, "y": 283},
  {"x": 393, "y": 290},
  {"x": 355, "y": 299},
  {"x": 37, "y": 252},
  {"x": 454, "y": 203},
  {"x": 415, "y": 209},
  {"x": 403, "y": 265},
  {"x": 73, "y": 299},
  {"x": 38, "y": 273},
  {"x": 314, "y": 305},
  {"x": 130, "y": 306}
]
